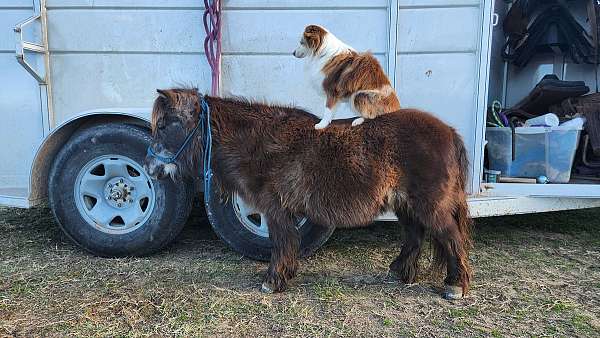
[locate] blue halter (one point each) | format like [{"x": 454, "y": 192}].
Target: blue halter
[{"x": 204, "y": 125}]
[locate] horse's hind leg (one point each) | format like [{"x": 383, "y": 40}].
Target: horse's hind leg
[
  {"x": 405, "y": 266},
  {"x": 451, "y": 250},
  {"x": 284, "y": 255}
]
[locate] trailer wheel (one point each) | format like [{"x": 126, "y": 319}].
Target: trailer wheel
[
  {"x": 245, "y": 230},
  {"x": 106, "y": 203}
]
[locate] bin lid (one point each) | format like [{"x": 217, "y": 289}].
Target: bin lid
[{"x": 542, "y": 130}]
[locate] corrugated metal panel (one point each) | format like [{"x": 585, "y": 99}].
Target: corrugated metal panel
[
  {"x": 16, "y": 4},
  {"x": 266, "y": 4},
  {"x": 132, "y": 47},
  {"x": 114, "y": 54},
  {"x": 438, "y": 3},
  {"x": 127, "y": 31}
]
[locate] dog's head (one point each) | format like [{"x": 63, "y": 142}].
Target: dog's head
[{"x": 311, "y": 42}]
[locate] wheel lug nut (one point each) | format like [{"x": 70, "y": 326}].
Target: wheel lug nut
[
  {"x": 121, "y": 181},
  {"x": 119, "y": 204}
]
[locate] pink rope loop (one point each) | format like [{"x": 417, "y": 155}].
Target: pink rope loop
[{"x": 212, "y": 42}]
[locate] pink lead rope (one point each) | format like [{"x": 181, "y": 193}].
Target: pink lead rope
[{"x": 212, "y": 26}]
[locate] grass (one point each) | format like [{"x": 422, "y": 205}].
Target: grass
[{"x": 535, "y": 275}]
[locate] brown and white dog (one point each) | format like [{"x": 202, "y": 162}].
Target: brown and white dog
[{"x": 344, "y": 75}]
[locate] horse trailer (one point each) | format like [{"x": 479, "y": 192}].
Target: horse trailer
[{"x": 76, "y": 101}]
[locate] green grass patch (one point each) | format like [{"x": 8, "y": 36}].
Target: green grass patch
[
  {"x": 330, "y": 289},
  {"x": 467, "y": 312},
  {"x": 561, "y": 306},
  {"x": 496, "y": 334},
  {"x": 581, "y": 323}
]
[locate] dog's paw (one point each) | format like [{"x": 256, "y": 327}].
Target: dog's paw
[
  {"x": 358, "y": 121},
  {"x": 321, "y": 125}
]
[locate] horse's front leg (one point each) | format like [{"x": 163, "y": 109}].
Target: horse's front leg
[{"x": 284, "y": 255}]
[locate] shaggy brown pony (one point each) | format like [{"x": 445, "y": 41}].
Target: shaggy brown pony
[{"x": 407, "y": 161}]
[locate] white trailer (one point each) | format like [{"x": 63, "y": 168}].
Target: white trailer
[{"x": 84, "y": 66}]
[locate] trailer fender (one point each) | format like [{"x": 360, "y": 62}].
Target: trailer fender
[{"x": 53, "y": 142}]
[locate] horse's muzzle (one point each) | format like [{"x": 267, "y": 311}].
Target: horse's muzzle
[{"x": 155, "y": 169}]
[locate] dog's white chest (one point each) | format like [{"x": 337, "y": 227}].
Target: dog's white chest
[
  {"x": 315, "y": 76},
  {"x": 313, "y": 70}
]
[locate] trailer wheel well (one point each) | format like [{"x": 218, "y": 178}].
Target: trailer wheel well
[{"x": 38, "y": 181}]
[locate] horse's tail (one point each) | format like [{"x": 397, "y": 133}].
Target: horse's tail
[
  {"x": 461, "y": 209},
  {"x": 460, "y": 212}
]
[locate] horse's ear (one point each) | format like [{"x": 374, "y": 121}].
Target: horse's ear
[{"x": 162, "y": 93}]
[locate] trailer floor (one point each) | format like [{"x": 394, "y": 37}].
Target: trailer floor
[{"x": 536, "y": 275}]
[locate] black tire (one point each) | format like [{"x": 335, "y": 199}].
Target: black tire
[
  {"x": 227, "y": 225},
  {"x": 173, "y": 201}
]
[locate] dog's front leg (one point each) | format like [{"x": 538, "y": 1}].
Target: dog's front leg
[
  {"x": 284, "y": 255},
  {"x": 331, "y": 107}
]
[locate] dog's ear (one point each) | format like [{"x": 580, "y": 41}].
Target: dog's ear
[{"x": 314, "y": 36}]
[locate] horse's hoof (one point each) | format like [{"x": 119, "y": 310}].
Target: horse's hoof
[
  {"x": 266, "y": 288},
  {"x": 393, "y": 274},
  {"x": 453, "y": 292}
]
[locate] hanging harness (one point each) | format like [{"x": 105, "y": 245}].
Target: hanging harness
[{"x": 534, "y": 27}]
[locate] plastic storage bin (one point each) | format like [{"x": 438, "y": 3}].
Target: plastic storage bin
[{"x": 537, "y": 151}]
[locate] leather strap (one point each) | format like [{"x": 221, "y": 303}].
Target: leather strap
[{"x": 593, "y": 17}]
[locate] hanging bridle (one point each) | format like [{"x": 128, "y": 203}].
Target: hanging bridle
[{"x": 205, "y": 128}]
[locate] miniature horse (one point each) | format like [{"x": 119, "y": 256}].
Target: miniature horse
[{"x": 407, "y": 161}]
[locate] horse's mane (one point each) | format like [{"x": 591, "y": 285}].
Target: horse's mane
[
  {"x": 265, "y": 106},
  {"x": 185, "y": 94}
]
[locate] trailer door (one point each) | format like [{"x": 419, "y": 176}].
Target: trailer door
[
  {"x": 441, "y": 62},
  {"x": 22, "y": 121}
]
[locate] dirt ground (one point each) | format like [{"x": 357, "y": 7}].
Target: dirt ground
[{"x": 535, "y": 275}]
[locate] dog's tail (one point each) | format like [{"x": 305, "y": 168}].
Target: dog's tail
[{"x": 372, "y": 102}]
